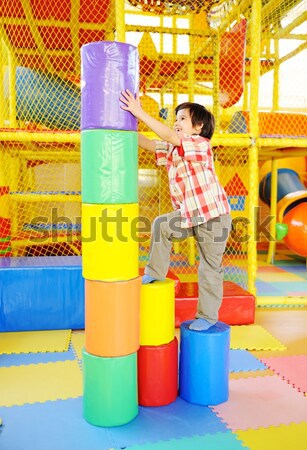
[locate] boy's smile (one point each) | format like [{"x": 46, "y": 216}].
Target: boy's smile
[{"x": 183, "y": 123}]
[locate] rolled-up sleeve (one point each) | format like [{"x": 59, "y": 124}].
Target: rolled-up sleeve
[{"x": 161, "y": 152}]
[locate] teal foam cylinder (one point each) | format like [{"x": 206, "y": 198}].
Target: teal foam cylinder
[
  {"x": 110, "y": 394},
  {"x": 109, "y": 162}
]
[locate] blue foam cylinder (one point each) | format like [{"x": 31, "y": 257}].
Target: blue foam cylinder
[{"x": 204, "y": 364}]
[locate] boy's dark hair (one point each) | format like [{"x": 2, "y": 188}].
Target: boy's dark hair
[{"x": 199, "y": 115}]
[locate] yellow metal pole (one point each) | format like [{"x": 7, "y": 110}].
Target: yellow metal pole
[
  {"x": 2, "y": 100},
  {"x": 276, "y": 77},
  {"x": 191, "y": 65},
  {"x": 273, "y": 212},
  {"x": 120, "y": 20},
  {"x": 216, "y": 81},
  {"x": 253, "y": 151}
]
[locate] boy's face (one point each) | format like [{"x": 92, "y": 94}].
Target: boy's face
[{"x": 183, "y": 123}]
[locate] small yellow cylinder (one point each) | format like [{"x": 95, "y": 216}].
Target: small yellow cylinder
[
  {"x": 157, "y": 313},
  {"x": 110, "y": 242}
]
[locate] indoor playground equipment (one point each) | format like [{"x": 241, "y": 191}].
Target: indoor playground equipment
[
  {"x": 158, "y": 353},
  {"x": 234, "y": 57},
  {"x": 209, "y": 353},
  {"x": 291, "y": 203},
  {"x": 110, "y": 251}
]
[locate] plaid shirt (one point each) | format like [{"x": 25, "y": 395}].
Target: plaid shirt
[{"x": 194, "y": 186}]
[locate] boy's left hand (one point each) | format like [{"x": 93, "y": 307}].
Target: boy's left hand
[{"x": 131, "y": 103}]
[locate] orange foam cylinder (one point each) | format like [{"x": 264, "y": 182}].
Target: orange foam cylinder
[
  {"x": 157, "y": 313},
  {"x": 112, "y": 317},
  {"x": 158, "y": 374}
]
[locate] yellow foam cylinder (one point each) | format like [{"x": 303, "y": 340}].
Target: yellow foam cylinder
[
  {"x": 112, "y": 317},
  {"x": 157, "y": 313},
  {"x": 109, "y": 242}
]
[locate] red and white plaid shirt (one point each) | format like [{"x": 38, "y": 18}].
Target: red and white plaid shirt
[{"x": 194, "y": 185}]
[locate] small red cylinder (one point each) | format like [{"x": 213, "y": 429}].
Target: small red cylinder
[{"x": 158, "y": 374}]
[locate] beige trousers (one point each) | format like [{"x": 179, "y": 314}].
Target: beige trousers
[{"x": 211, "y": 238}]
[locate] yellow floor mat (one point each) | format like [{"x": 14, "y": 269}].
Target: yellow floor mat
[
  {"x": 35, "y": 341},
  {"x": 284, "y": 437},
  {"x": 40, "y": 382},
  {"x": 253, "y": 337},
  {"x": 78, "y": 342}
]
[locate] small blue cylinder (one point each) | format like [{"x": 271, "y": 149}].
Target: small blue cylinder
[{"x": 204, "y": 364}]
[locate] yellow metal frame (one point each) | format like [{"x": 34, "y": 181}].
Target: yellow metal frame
[{"x": 256, "y": 147}]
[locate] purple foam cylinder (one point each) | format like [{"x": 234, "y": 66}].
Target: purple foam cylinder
[{"x": 107, "y": 68}]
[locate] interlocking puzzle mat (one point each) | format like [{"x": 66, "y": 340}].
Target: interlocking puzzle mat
[
  {"x": 218, "y": 441},
  {"x": 24, "y": 359},
  {"x": 35, "y": 341},
  {"x": 284, "y": 437},
  {"x": 78, "y": 342},
  {"x": 40, "y": 382},
  {"x": 289, "y": 325},
  {"x": 250, "y": 399},
  {"x": 253, "y": 337},
  {"x": 284, "y": 282},
  {"x": 61, "y": 424},
  {"x": 243, "y": 361},
  {"x": 292, "y": 369}
]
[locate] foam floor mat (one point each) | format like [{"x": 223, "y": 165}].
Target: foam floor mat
[
  {"x": 61, "y": 424},
  {"x": 40, "y": 382},
  {"x": 35, "y": 341},
  {"x": 253, "y": 337},
  {"x": 284, "y": 437},
  {"x": 293, "y": 369},
  {"x": 218, "y": 441},
  {"x": 78, "y": 341},
  {"x": 243, "y": 361},
  {"x": 24, "y": 359},
  {"x": 261, "y": 402}
]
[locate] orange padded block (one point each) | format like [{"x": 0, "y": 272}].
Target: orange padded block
[
  {"x": 238, "y": 305},
  {"x": 112, "y": 317}
]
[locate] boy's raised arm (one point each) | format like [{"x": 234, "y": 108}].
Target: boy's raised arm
[
  {"x": 134, "y": 106},
  {"x": 146, "y": 143}
]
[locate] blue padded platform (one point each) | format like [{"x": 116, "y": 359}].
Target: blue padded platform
[{"x": 41, "y": 293}]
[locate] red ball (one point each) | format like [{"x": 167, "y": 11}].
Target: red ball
[{"x": 296, "y": 219}]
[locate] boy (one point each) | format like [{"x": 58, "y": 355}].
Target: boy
[{"x": 200, "y": 204}]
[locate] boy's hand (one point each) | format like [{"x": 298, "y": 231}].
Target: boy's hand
[{"x": 131, "y": 103}]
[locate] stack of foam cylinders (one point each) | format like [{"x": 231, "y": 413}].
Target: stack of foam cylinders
[
  {"x": 158, "y": 352},
  {"x": 204, "y": 364},
  {"x": 109, "y": 168}
]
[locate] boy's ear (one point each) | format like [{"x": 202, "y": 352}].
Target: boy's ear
[{"x": 199, "y": 126}]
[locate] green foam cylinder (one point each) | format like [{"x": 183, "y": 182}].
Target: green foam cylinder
[
  {"x": 109, "y": 166},
  {"x": 110, "y": 395}
]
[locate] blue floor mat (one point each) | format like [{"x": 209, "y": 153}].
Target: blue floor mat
[
  {"x": 35, "y": 358},
  {"x": 59, "y": 425},
  {"x": 218, "y": 441},
  {"x": 243, "y": 361}
]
